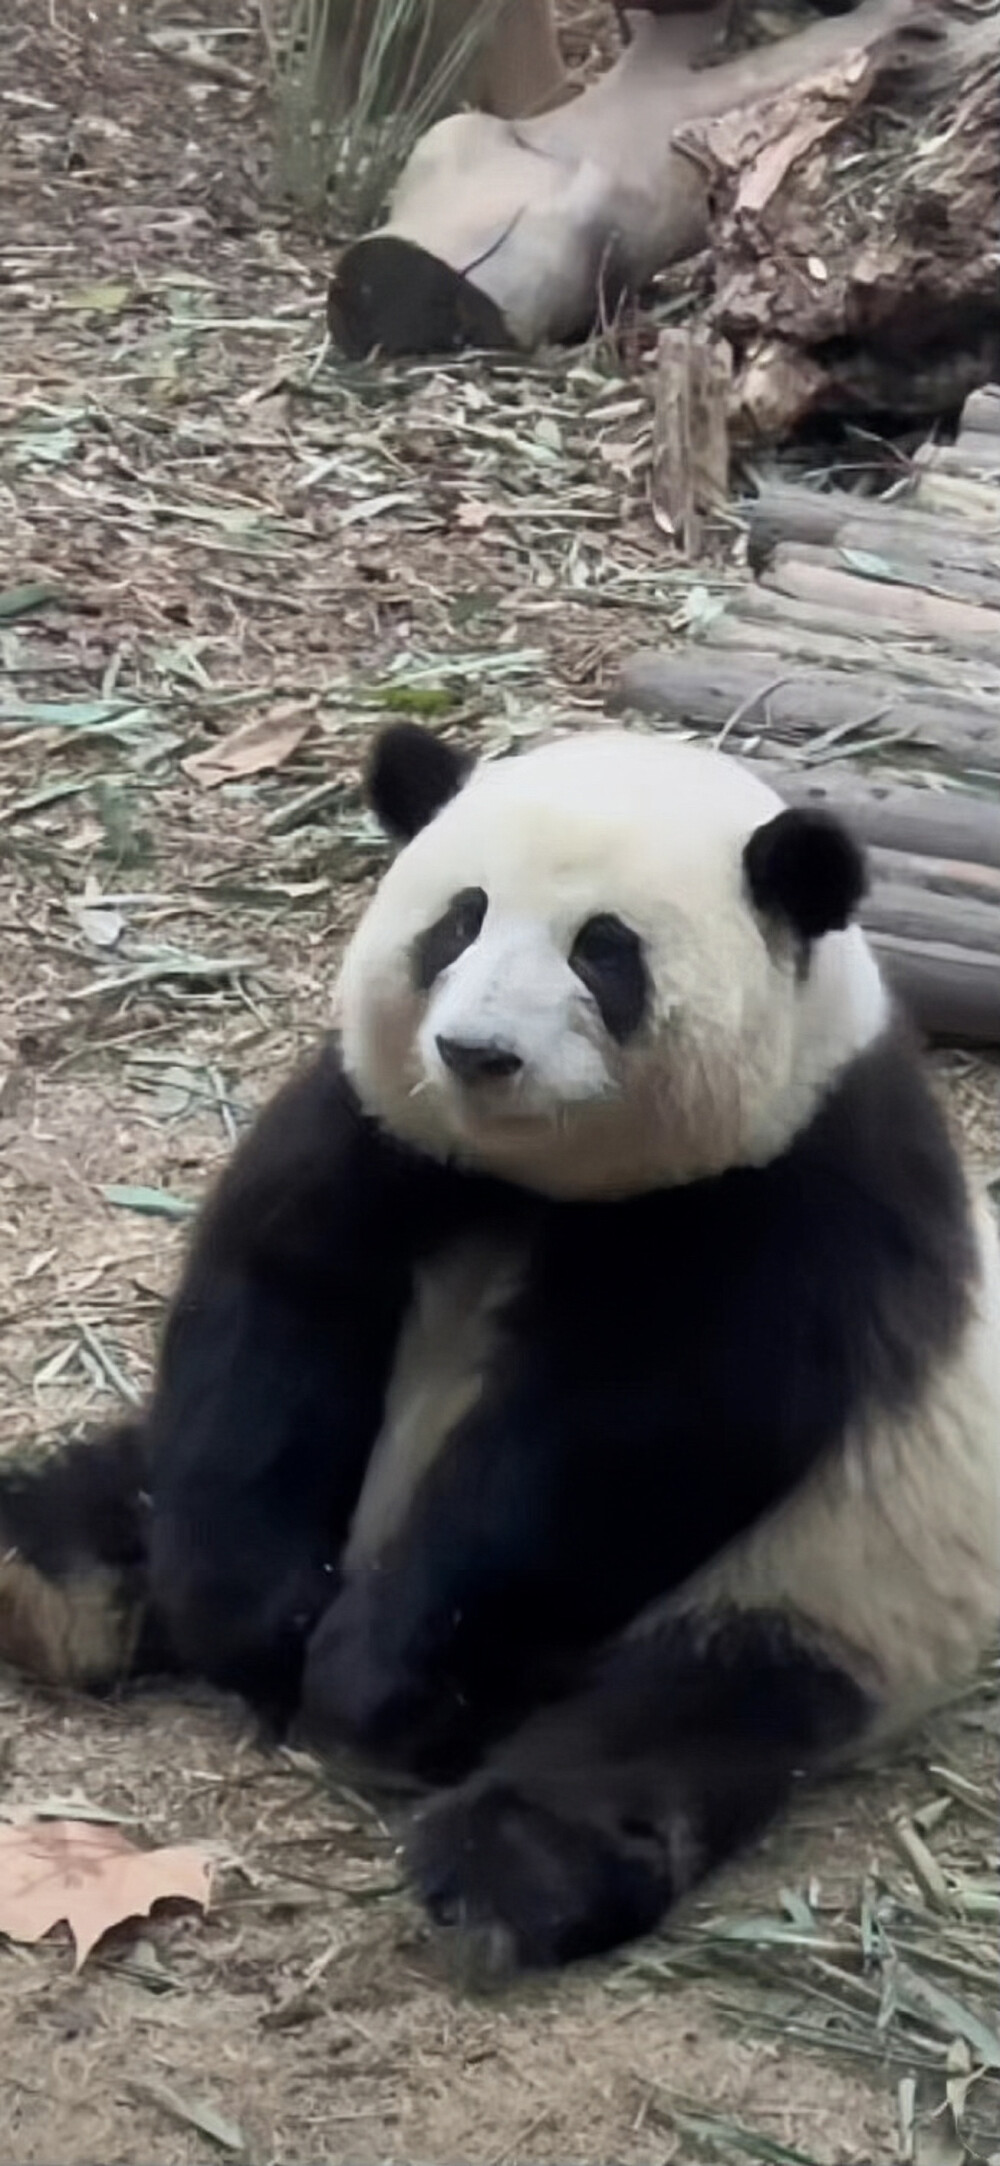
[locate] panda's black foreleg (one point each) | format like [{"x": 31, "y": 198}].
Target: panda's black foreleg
[
  {"x": 434, "y": 1648},
  {"x": 587, "y": 1824},
  {"x": 272, "y": 1378},
  {"x": 246, "y": 1476}
]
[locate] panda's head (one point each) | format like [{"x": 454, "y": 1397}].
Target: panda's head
[{"x": 610, "y": 964}]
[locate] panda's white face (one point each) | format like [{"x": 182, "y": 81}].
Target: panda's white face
[{"x": 564, "y": 979}]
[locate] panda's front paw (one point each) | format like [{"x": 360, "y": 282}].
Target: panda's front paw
[
  {"x": 356, "y": 1686},
  {"x": 382, "y": 1683},
  {"x": 532, "y": 1883}
]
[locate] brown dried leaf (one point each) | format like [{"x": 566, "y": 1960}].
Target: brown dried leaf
[
  {"x": 253, "y": 749},
  {"x": 90, "y": 1877},
  {"x": 472, "y": 514}
]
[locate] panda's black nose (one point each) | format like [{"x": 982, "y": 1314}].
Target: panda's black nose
[{"x": 482, "y": 1060}]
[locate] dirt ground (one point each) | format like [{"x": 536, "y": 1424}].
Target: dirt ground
[{"x": 224, "y": 529}]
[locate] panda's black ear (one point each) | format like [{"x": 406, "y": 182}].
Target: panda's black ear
[
  {"x": 410, "y": 776},
  {"x": 805, "y": 867}
]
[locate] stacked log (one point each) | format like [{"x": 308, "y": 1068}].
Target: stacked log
[{"x": 873, "y": 633}]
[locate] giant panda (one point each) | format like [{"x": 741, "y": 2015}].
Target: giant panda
[{"x": 583, "y": 1389}]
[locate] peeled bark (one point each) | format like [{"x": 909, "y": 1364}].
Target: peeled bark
[
  {"x": 881, "y": 297},
  {"x": 690, "y": 477},
  {"x": 509, "y": 234}
]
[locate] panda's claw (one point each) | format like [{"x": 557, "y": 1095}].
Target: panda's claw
[{"x": 532, "y": 1884}]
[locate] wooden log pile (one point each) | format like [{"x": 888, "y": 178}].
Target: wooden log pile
[{"x": 873, "y": 634}]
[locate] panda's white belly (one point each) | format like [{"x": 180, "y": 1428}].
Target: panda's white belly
[
  {"x": 890, "y": 1551},
  {"x": 449, "y": 1337}
]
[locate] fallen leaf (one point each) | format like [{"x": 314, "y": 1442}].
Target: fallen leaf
[
  {"x": 769, "y": 168},
  {"x": 90, "y": 1878},
  {"x": 103, "y": 928},
  {"x": 73, "y": 1807},
  {"x": 20, "y": 601},
  {"x": 191, "y": 2113},
  {"x": 251, "y": 750},
  {"x": 104, "y": 299},
  {"x": 152, "y": 1202},
  {"x": 472, "y": 514}
]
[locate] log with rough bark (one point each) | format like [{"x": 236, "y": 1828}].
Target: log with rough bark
[
  {"x": 925, "y": 915},
  {"x": 963, "y": 611},
  {"x": 785, "y": 513},
  {"x": 932, "y": 828},
  {"x": 952, "y": 993},
  {"x": 941, "y": 875},
  {"x": 933, "y": 910},
  {"x": 881, "y": 296},
  {"x": 816, "y": 595},
  {"x": 956, "y": 495},
  {"x": 745, "y": 697},
  {"x": 510, "y": 233},
  {"x": 843, "y": 618},
  {"x": 915, "y": 667},
  {"x": 975, "y": 456}
]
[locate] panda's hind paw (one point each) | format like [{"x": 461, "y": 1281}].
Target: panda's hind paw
[{"x": 528, "y": 1885}]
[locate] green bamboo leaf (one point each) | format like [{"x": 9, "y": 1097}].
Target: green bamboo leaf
[
  {"x": 153, "y": 1202},
  {"x": 20, "y": 601}
]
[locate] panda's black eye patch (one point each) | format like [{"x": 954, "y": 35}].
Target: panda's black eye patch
[
  {"x": 607, "y": 957},
  {"x": 445, "y": 940}
]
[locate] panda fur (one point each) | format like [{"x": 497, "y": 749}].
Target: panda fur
[{"x": 584, "y": 1384}]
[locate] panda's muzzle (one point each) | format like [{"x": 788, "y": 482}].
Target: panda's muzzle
[{"x": 484, "y": 1060}]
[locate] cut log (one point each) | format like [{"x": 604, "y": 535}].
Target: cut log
[
  {"x": 954, "y": 495},
  {"x": 885, "y": 566},
  {"x": 935, "y": 824},
  {"x": 952, "y": 993},
  {"x": 520, "y": 231},
  {"x": 738, "y": 634},
  {"x": 913, "y": 913},
  {"x": 974, "y": 457},
  {"x": 941, "y": 875},
  {"x": 917, "y": 669},
  {"x": 695, "y": 686},
  {"x": 901, "y": 612},
  {"x": 762, "y": 605},
  {"x": 781, "y": 512},
  {"x": 894, "y": 528},
  {"x": 981, "y": 411},
  {"x": 690, "y": 479}
]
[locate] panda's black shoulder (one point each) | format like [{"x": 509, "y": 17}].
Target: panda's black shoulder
[
  {"x": 870, "y": 1202},
  {"x": 878, "y": 1153},
  {"x": 836, "y": 1275}
]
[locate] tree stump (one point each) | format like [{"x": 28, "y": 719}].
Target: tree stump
[
  {"x": 878, "y": 298},
  {"x": 690, "y": 434}
]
